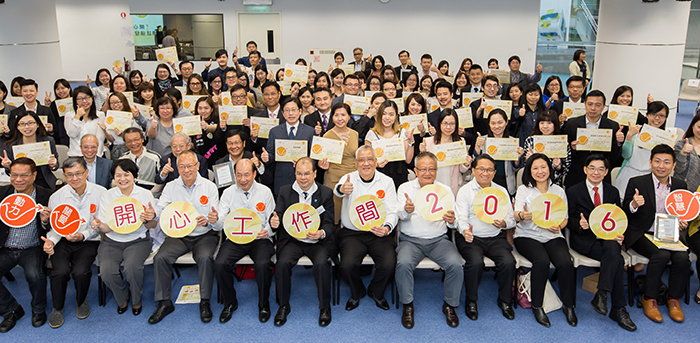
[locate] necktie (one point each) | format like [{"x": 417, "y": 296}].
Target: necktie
[
  {"x": 305, "y": 195},
  {"x": 291, "y": 132},
  {"x": 596, "y": 196},
  {"x": 324, "y": 121},
  {"x": 246, "y": 194},
  {"x": 476, "y": 90}
]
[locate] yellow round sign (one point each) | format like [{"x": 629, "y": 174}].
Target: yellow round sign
[
  {"x": 300, "y": 219},
  {"x": 124, "y": 215},
  {"x": 242, "y": 225},
  {"x": 490, "y": 203},
  {"x": 178, "y": 219},
  {"x": 608, "y": 221},
  {"x": 433, "y": 201},
  {"x": 548, "y": 210},
  {"x": 367, "y": 211}
]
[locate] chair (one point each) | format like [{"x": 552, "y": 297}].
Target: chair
[
  {"x": 58, "y": 173},
  {"x": 62, "y": 153},
  {"x": 613, "y": 174},
  {"x": 102, "y": 287},
  {"x": 519, "y": 177}
]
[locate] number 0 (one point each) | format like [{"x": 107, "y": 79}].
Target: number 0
[{"x": 488, "y": 208}]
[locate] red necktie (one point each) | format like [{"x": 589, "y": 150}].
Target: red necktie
[{"x": 596, "y": 196}]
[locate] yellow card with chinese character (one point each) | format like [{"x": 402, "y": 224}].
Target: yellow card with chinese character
[
  {"x": 189, "y": 125},
  {"x": 469, "y": 97},
  {"x": 594, "y": 139},
  {"x": 290, "y": 150},
  {"x": 65, "y": 107},
  {"x": 548, "y": 210},
  {"x": 119, "y": 120},
  {"x": 433, "y": 201},
  {"x": 39, "y": 152},
  {"x": 490, "y": 203},
  {"x": 300, "y": 219},
  {"x": 574, "y": 109},
  {"x": 650, "y": 136},
  {"x": 502, "y": 149},
  {"x": 189, "y": 102},
  {"x": 505, "y": 105},
  {"x": 166, "y": 55},
  {"x": 331, "y": 149},
  {"x": 178, "y": 219},
  {"x": 124, "y": 215},
  {"x": 367, "y": 211},
  {"x": 242, "y": 225},
  {"x": 410, "y": 122},
  {"x": 358, "y": 104},
  {"x": 464, "y": 117},
  {"x": 555, "y": 146}
]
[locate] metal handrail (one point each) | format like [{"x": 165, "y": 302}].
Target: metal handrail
[{"x": 589, "y": 16}]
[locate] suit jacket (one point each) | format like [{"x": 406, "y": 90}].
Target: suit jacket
[
  {"x": 580, "y": 202},
  {"x": 203, "y": 168},
  {"x": 284, "y": 171},
  {"x": 323, "y": 197},
  {"x": 641, "y": 220},
  {"x": 42, "y": 197},
  {"x": 578, "y": 158},
  {"x": 365, "y": 66},
  {"x": 402, "y": 76},
  {"x": 314, "y": 118},
  {"x": 103, "y": 172},
  {"x": 45, "y": 176}
]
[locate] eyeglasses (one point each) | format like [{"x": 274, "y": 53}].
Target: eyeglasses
[
  {"x": 187, "y": 166},
  {"x": 426, "y": 170},
  {"x": 485, "y": 170},
  {"x": 657, "y": 115},
  {"x": 83, "y": 98},
  {"x": 19, "y": 176},
  {"x": 231, "y": 77},
  {"x": 26, "y": 124},
  {"x": 593, "y": 169},
  {"x": 366, "y": 160},
  {"x": 195, "y": 83},
  {"x": 74, "y": 175},
  {"x": 238, "y": 97},
  {"x": 447, "y": 124},
  {"x": 291, "y": 110}
]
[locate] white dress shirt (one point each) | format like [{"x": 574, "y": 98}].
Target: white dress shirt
[
  {"x": 234, "y": 197},
  {"x": 274, "y": 113},
  {"x": 83, "y": 203},
  {"x": 412, "y": 224},
  {"x": 306, "y": 200},
  {"x": 591, "y": 193},
  {"x": 527, "y": 228},
  {"x": 143, "y": 195},
  {"x": 465, "y": 213},
  {"x": 380, "y": 182},
  {"x": 177, "y": 191}
]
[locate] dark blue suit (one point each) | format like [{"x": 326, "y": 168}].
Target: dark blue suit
[
  {"x": 103, "y": 172},
  {"x": 284, "y": 171}
]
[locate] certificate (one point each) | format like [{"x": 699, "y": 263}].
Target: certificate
[
  {"x": 389, "y": 149},
  {"x": 347, "y": 68},
  {"x": 39, "y": 152},
  {"x": 358, "y": 104},
  {"x": 189, "y": 102},
  {"x": 290, "y": 150},
  {"x": 189, "y": 125},
  {"x": 44, "y": 120},
  {"x": 464, "y": 117},
  {"x": 555, "y": 146},
  {"x": 166, "y": 55},
  {"x": 225, "y": 99},
  {"x": 129, "y": 97},
  {"x": 65, "y": 107},
  {"x": 502, "y": 75},
  {"x": 505, "y": 105},
  {"x": 574, "y": 109},
  {"x": 264, "y": 125},
  {"x": 399, "y": 103},
  {"x": 144, "y": 110},
  {"x": 650, "y": 136},
  {"x": 469, "y": 97},
  {"x": 15, "y": 101},
  {"x": 182, "y": 89},
  {"x": 321, "y": 59},
  {"x": 233, "y": 115},
  {"x": 119, "y": 120},
  {"x": 666, "y": 228},
  {"x": 285, "y": 87},
  {"x": 502, "y": 149},
  {"x": 593, "y": 139},
  {"x": 223, "y": 174},
  {"x": 623, "y": 115},
  {"x": 296, "y": 73},
  {"x": 3, "y": 119},
  {"x": 370, "y": 94},
  {"x": 450, "y": 154},
  {"x": 410, "y": 122},
  {"x": 331, "y": 149}
]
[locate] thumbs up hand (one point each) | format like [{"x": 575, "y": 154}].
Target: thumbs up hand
[
  {"x": 637, "y": 199},
  {"x": 431, "y": 129},
  {"x": 318, "y": 128},
  {"x": 346, "y": 188},
  {"x": 480, "y": 141},
  {"x": 213, "y": 215},
  {"x": 167, "y": 169},
  {"x": 5, "y": 160},
  {"x": 265, "y": 156},
  {"x": 274, "y": 221},
  {"x": 619, "y": 135},
  {"x": 522, "y": 111},
  {"x": 687, "y": 148},
  {"x": 148, "y": 214},
  {"x": 408, "y": 207},
  {"x": 48, "y": 245},
  {"x": 468, "y": 234},
  {"x": 583, "y": 223}
]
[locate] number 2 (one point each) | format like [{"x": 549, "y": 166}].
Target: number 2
[{"x": 434, "y": 208}]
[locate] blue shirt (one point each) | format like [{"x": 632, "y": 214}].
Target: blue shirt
[{"x": 24, "y": 237}]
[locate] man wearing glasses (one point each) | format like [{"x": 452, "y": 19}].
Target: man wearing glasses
[
  {"x": 420, "y": 238},
  {"x": 490, "y": 87},
  {"x": 477, "y": 239}
]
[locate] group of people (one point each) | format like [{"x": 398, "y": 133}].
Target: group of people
[{"x": 157, "y": 165}]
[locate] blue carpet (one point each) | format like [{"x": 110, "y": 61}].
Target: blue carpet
[{"x": 365, "y": 324}]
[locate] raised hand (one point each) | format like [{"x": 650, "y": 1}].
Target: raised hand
[
  {"x": 687, "y": 148},
  {"x": 201, "y": 220},
  {"x": 408, "y": 207},
  {"x": 274, "y": 220},
  {"x": 48, "y": 245},
  {"x": 213, "y": 215},
  {"x": 522, "y": 111},
  {"x": 148, "y": 214},
  {"x": 265, "y": 157},
  {"x": 346, "y": 188},
  {"x": 5, "y": 160},
  {"x": 619, "y": 135},
  {"x": 167, "y": 169},
  {"x": 47, "y": 99},
  {"x": 637, "y": 199},
  {"x": 318, "y": 128},
  {"x": 583, "y": 223},
  {"x": 468, "y": 234},
  {"x": 449, "y": 217}
]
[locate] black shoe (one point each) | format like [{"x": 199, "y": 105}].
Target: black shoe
[
  {"x": 121, "y": 310},
  {"x": 264, "y": 313},
  {"x": 570, "y": 315},
  {"x": 352, "y": 304},
  {"x": 623, "y": 319},
  {"x": 541, "y": 316},
  {"x": 472, "y": 310},
  {"x": 380, "y": 302},
  {"x": 697, "y": 298},
  {"x": 281, "y": 315},
  {"x": 324, "y": 317},
  {"x": 407, "y": 316},
  {"x": 227, "y": 312},
  {"x": 507, "y": 310},
  {"x": 165, "y": 307},
  {"x": 136, "y": 310},
  {"x": 600, "y": 302},
  {"x": 38, "y": 319},
  {"x": 205, "y": 311},
  {"x": 450, "y": 315},
  {"x": 11, "y": 319}
]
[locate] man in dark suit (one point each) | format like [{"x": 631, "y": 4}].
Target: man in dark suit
[
  {"x": 574, "y": 87},
  {"x": 443, "y": 93},
  {"x": 490, "y": 86},
  {"x": 292, "y": 129},
  {"x": 644, "y": 198},
  {"x": 317, "y": 246},
  {"x": 582, "y": 198},
  {"x": 271, "y": 99},
  {"x": 594, "y": 101},
  {"x": 23, "y": 246},
  {"x": 29, "y": 89},
  {"x": 364, "y": 64},
  {"x": 476, "y": 74},
  {"x": 236, "y": 148},
  {"x": 405, "y": 67},
  {"x": 99, "y": 168},
  {"x": 184, "y": 71},
  {"x": 322, "y": 116},
  {"x": 179, "y": 144}
]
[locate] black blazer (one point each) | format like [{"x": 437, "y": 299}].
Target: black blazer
[
  {"x": 42, "y": 197},
  {"x": 641, "y": 220},
  {"x": 314, "y": 118},
  {"x": 284, "y": 171},
  {"x": 578, "y": 158},
  {"x": 45, "y": 176},
  {"x": 580, "y": 202},
  {"x": 322, "y": 197},
  {"x": 103, "y": 172},
  {"x": 402, "y": 76},
  {"x": 203, "y": 168},
  {"x": 365, "y": 66}
]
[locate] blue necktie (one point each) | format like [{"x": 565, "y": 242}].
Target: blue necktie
[{"x": 291, "y": 133}]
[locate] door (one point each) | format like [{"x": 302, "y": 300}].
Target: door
[{"x": 264, "y": 29}]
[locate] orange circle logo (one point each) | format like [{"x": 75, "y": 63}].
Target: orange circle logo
[
  {"x": 224, "y": 116},
  {"x": 467, "y": 101},
  {"x": 255, "y": 126},
  {"x": 288, "y": 72},
  {"x": 539, "y": 147},
  {"x": 18, "y": 210},
  {"x": 21, "y": 154},
  {"x": 489, "y": 109},
  {"x": 186, "y": 104},
  {"x": 568, "y": 112},
  {"x": 583, "y": 140},
  {"x": 405, "y": 126},
  {"x": 440, "y": 156},
  {"x": 65, "y": 219},
  {"x": 380, "y": 194},
  {"x": 612, "y": 114},
  {"x": 379, "y": 152},
  {"x": 317, "y": 148},
  {"x": 645, "y": 136},
  {"x": 110, "y": 120},
  {"x": 281, "y": 151},
  {"x": 93, "y": 208},
  {"x": 226, "y": 101},
  {"x": 160, "y": 56},
  {"x": 178, "y": 127},
  {"x": 203, "y": 200},
  {"x": 61, "y": 108},
  {"x": 260, "y": 207},
  {"x": 491, "y": 149}
]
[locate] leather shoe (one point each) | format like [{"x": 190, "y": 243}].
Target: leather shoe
[
  {"x": 352, "y": 304},
  {"x": 136, "y": 310},
  {"x": 623, "y": 319},
  {"x": 264, "y": 313},
  {"x": 407, "y": 316},
  {"x": 651, "y": 310},
  {"x": 570, "y": 315},
  {"x": 379, "y": 302},
  {"x": 507, "y": 310},
  {"x": 38, "y": 319},
  {"x": 164, "y": 308},
  {"x": 205, "y": 311},
  {"x": 541, "y": 316},
  {"x": 674, "y": 310},
  {"x": 227, "y": 312},
  {"x": 121, "y": 310},
  {"x": 281, "y": 315},
  {"x": 450, "y": 315},
  {"x": 472, "y": 310},
  {"x": 324, "y": 317},
  {"x": 11, "y": 319},
  {"x": 600, "y": 302}
]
